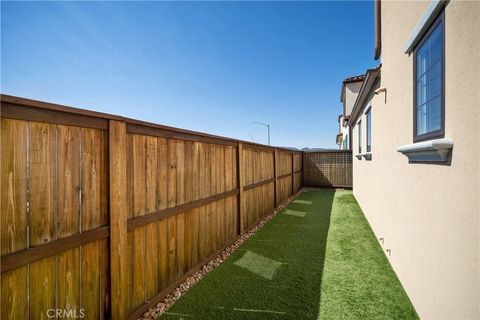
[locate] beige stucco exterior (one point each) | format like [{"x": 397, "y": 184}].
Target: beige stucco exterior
[
  {"x": 351, "y": 93},
  {"x": 343, "y": 129},
  {"x": 428, "y": 215}
]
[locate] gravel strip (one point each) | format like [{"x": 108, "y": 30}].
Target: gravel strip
[{"x": 172, "y": 297}]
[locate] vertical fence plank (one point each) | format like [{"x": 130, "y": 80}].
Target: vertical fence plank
[
  {"x": 293, "y": 172},
  {"x": 240, "y": 188},
  {"x": 138, "y": 236},
  {"x": 13, "y": 215},
  {"x": 275, "y": 174},
  {"x": 151, "y": 247},
  {"x": 162, "y": 203},
  {"x": 68, "y": 174},
  {"x": 43, "y": 208},
  {"x": 94, "y": 256},
  {"x": 118, "y": 218},
  {"x": 180, "y": 218}
]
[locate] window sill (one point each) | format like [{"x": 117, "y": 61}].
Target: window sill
[
  {"x": 437, "y": 150},
  {"x": 366, "y": 156}
]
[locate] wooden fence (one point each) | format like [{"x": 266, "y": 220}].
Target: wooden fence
[
  {"x": 108, "y": 214},
  {"x": 330, "y": 168}
]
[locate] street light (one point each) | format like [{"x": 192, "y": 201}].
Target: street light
[{"x": 266, "y": 125}]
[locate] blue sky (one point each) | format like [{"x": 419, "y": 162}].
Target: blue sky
[{"x": 207, "y": 66}]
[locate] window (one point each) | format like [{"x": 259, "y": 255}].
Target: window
[
  {"x": 359, "y": 137},
  {"x": 369, "y": 130},
  {"x": 429, "y": 79}
]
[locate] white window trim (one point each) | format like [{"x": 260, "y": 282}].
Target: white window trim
[
  {"x": 425, "y": 21},
  {"x": 359, "y": 155},
  {"x": 367, "y": 109},
  {"x": 437, "y": 150},
  {"x": 367, "y": 155}
]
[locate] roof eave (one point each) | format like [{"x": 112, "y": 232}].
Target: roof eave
[{"x": 370, "y": 79}]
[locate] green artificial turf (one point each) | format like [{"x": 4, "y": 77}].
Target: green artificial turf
[{"x": 317, "y": 259}]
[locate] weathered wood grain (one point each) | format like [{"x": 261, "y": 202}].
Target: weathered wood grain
[
  {"x": 68, "y": 291},
  {"x": 42, "y": 215},
  {"x": 14, "y": 215},
  {"x": 118, "y": 219},
  {"x": 151, "y": 230}
]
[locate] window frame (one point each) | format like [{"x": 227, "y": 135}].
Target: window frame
[
  {"x": 440, "y": 133},
  {"x": 368, "y": 133},
  {"x": 359, "y": 129}
]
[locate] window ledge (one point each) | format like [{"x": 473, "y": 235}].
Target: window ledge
[
  {"x": 367, "y": 156},
  {"x": 437, "y": 150}
]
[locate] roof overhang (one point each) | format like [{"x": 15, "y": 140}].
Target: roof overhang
[{"x": 371, "y": 78}]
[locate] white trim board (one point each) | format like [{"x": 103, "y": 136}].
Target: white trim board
[
  {"x": 425, "y": 21},
  {"x": 437, "y": 150}
]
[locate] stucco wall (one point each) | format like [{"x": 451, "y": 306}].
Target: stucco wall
[
  {"x": 351, "y": 92},
  {"x": 428, "y": 214}
]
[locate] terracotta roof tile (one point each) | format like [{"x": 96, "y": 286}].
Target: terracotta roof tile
[{"x": 354, "y": 79}]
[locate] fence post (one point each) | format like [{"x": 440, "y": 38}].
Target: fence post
[
  {"x": 240, "y": 188},
  {"x": 293, "y": 172},
  {"x": 275, "y": 176},
  {"x": 118, "y": 218}
]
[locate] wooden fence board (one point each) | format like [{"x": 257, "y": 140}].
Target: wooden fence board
[
  {"x": 91, "y": 284},
  {"x": 163, "y": 278},
  {"x": 43, "y": 215},
  {"x": 151, "y": 259},
  {"x": 68, "y": 268},
  {"x": 118, "y": 219},
  {"x": 14, "y": 215}
]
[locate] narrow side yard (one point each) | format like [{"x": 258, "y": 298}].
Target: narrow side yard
[{"x": 318, "y": 258}]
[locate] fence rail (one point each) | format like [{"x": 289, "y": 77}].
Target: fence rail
[
  {"x": 108, "y": 214},
  {"x": 329, "y": 169}
]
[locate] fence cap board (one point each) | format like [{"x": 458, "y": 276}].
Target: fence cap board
[
  {"x": 20, "y": 101},
  {"x": 56, "y": 107}
]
